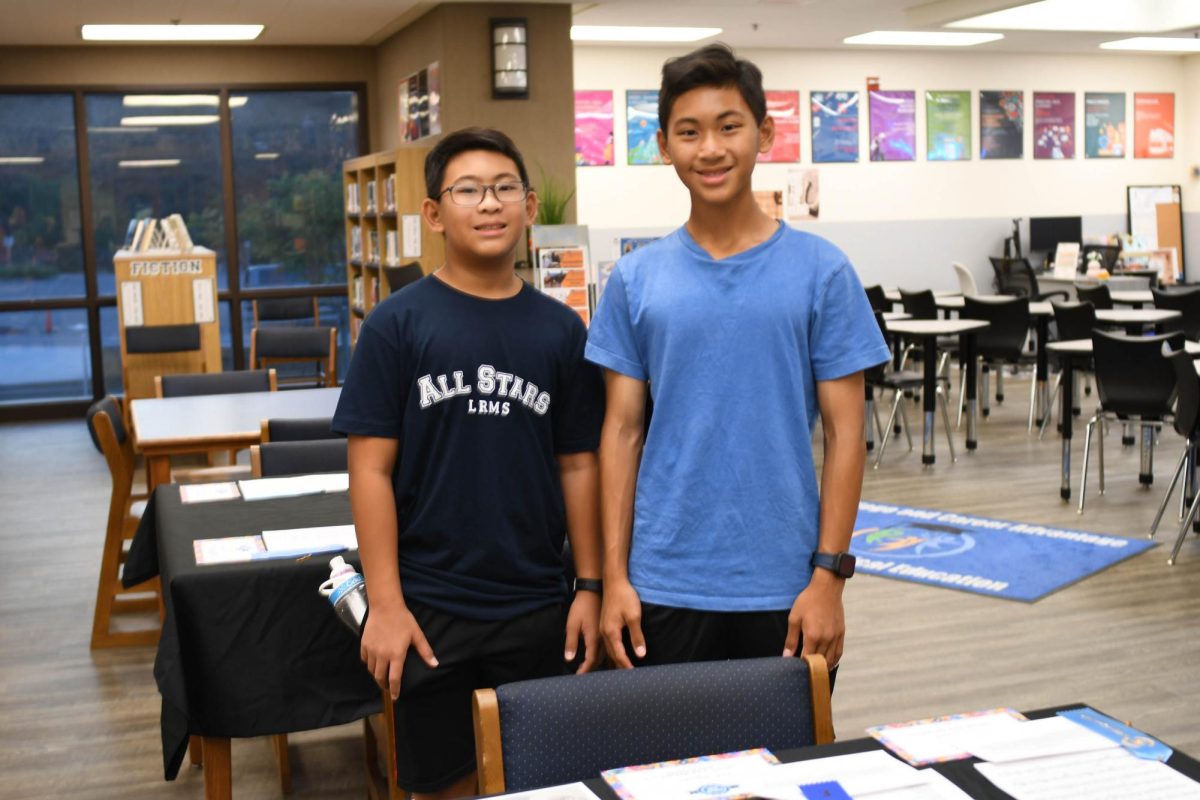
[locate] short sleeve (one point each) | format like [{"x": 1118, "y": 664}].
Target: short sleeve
[
  {"x": 611, "y": 340},
  {"x": 844, "y": 338},
  {"x": 375, "y": 392},
  {"x": 578, "y": 412}
]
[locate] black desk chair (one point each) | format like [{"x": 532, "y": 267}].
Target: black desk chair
[
  {"x": 288, "y": 330},
  {"x": 1002, "y": 342},
  {"x": 1187, "y": 303},
  {"x": 1074, "y": 321},
  {"x": 878, "y": 298},
  {"x": 1098, "y": 295},
  {"x": 1016, "y": 277},
  {"x": 923, "y": 305},
  {"x": 544, "y": 732},
  {"x": 1187, "y": 425},
  {"x": 1136, "y": 385},
  {"x": 298, "y": 458},
  {"x": 297, "y": 430},
  {"x": 399, "y": 277}
]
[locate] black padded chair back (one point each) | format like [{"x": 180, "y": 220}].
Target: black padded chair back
[
  {"x": 1187, "y": 391},
  {"x": 565, "y": 729},
  {"x": 302, "y": 458},
  {"x": 106, "y": 405},
  {"x": 399, "y": 277},
  {"x": 877, "y": 298},
  {"x": 1014, "y": 276},
  {"x": 300, "y": 430},
  {"x": 1186, "y": 302},
  {"x": 919, "y": 305},
  {"x": 279, "y": 309},
  {"x": 875, "y": 374},
  {"x": 162, "y": 338},
  {"x": 1074, "y": 320},
  {"x": 291, "y": 342},
  {"x": 237, "y": 382},
  {"x": 1097, "y": 295},
  {"x": 1005, "y": 337},
  {"x": 1132, "y": 376}
]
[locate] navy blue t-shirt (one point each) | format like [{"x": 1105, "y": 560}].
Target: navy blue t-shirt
[{"x": 482, "y": 395}]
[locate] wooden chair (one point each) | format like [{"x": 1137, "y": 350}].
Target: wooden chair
[
  {"x": 298, "y": 458},
  {"x": 297, "y": 430},
  {"x": 560, "y": 730},
  {"x": 107, "y": 428},
  {"x": 292, "y": 343}
]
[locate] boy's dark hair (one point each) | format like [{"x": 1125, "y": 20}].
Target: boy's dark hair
[
  {"x": 711, "y": 65},
  {"x": 462, "y": 141}
]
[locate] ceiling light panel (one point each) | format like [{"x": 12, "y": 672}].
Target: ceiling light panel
[
  {"x": 922, "y": 38},
  {"x": 171, "y": 33},
  {"x": 1127, "y": 16},
  {"x": 625, "y": 33}
]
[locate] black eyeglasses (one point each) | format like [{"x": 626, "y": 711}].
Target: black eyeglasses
[{"x": 469, "y": 193}]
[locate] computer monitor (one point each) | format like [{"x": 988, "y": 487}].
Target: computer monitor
[{"x": 1046, "y": 232}]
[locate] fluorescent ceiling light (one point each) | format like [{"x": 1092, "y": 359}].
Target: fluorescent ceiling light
[
  {"x": 175, "y": 100},
  {"x": 171, "y": 33},
  {"x": 21, "y": 159},
  {"x": 1154, "y": 44},
  {"x": 922, "y": 38},
  {"x": 149, "y": 162},
  {"x": 1127, "y": 16},
  {"x": 178, "y": 119},
  {"x": 266, "y": 156},
  {"x": 626, "y": 33},
  {"x": 118, "y": 129}
]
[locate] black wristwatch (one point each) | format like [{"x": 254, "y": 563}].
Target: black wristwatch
[
  {"x": 840, "y": 564},
  {"x": 589, "y": 585}
]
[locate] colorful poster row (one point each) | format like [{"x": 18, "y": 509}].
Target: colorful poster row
[
  {"x": 893, "y": 114},
  {"x": 421, "y": 104}
]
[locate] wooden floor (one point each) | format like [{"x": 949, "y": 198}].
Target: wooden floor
[{"x": 85, "y": 724}]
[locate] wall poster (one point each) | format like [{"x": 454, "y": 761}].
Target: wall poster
[
  {"x": 641, "y": 120},
  {"x": 1053, "y": 125},
  {"x": 1001, "y": 124},
  {"x": 893, "y": 125},
  {"x": 948, "y": 126},
  {"x": 1104, "y": 124},
  {"x": 834, "y": 127},
  {"x": 1153, "y": 125},
  {"x": 784, "y": 108},
  {"x": 593, "y": 128}
]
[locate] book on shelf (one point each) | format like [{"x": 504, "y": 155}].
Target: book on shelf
[
  {"x": 389, "y": 193},
  {"x": 374, "y": 291},
  {"x": 177, "y": 233},
  {"x": 352, "y": 198},
  {"x": 373, "y": 251},
  {"x": 147, "y": 240},
  {"x": 357, "y": 291},
  {"x": 129, "y": 232},
  {"x": 393, "y": 256},
  {"x": 370, "y": 197},
  {"x": 356, "y": 244}
]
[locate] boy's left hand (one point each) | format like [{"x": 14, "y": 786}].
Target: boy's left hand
[
  {"x": 584, "y": 618},
  {"x": 817, "y": 619}
]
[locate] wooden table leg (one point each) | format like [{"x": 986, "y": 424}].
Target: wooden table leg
[
  {"x": 218, "y": 773},
  {"x": 195, "y": 751},
  {"x": 158, "y": 470}
]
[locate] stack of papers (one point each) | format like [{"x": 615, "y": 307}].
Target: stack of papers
[
  {"x": 208, "y": 492},
  {"x": 1107, "y": 774},
  {"x": 728, "y": 776},
  {"x": 310, "y": 540},
  {"x": 294, "y": 485},
  {"x": 874, "y": 775},
  {"x": 940, "y": 739}
]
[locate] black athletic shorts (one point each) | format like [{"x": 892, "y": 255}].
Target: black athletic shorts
[{"x": 435, "y": 740}]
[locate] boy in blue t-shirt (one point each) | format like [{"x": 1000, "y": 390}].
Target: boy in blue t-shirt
[
  {"x": 473, "y": 421},
  {"x": 717, "y": 543}
]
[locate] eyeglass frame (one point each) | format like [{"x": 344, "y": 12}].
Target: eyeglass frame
[{"x": 486, "y": 187}]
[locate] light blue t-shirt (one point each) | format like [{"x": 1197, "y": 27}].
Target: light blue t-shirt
[{"x": 726, "y": 511}]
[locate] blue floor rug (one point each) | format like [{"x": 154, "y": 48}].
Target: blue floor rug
[{"x": 997, "y": 558}]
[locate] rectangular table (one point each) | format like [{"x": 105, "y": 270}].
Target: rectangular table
[
  {"x": 165, "y": 427},
  {"x": 961, "y": 773},
  {"x": 247, "y": 649}
]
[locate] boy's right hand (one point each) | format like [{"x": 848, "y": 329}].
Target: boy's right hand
[
  {"x": 622, "y": 609},
  {"x": 388, "y": 634}
]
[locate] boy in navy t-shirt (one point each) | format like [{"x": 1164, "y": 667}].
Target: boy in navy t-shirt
[
  {"x": 717, "y": 542},
  {"x": 473, "y": 421}
]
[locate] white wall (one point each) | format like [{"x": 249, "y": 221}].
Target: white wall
[{"x": 857, "y": 198}]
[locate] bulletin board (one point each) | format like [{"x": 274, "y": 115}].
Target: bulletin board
[{"x": 1155, "y": 217}]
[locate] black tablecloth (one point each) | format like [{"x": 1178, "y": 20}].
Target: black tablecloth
[
  {"x": 247, "y": 649},
  {"x": 961, "y": 773}
]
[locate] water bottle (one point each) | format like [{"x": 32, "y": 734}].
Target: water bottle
[{"x": 347, "y": 592}]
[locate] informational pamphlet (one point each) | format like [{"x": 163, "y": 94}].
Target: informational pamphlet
[
  {"x": 728, "y": 776},
  {"x": 939, "y": 739},
  {"x": 311, "y": 540},
  {"x": 228, "y": 550},
  {"x": 294, "y": 485},
  {"x": 857, "y": 773},
  {"x": 563, "y": 274},
  {"x": 1111, "y": 774},
  {"x": 1066, "y": 259},
  {"x": 208, "y": 492},
  {"x": 568, "y": 791}
]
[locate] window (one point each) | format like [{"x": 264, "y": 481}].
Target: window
[{"x": 45, "y": 354}]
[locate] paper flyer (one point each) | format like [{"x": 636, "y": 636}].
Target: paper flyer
[
  {"x": 936, "y": 740},
  {"x": 727, "y": 776},
  {"x": 228, "y": 550}
]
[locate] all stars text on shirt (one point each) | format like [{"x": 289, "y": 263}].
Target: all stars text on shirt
[{"x": 489, "y": 382}]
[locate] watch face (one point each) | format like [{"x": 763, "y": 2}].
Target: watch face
[{"x": 845, "y": 564}]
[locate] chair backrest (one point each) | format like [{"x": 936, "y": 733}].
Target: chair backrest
[
  {"x": 162, "y": 338},
  {"x": 1005, "y": 337},
  {"x": 919, "y": 305},
  {"x": 966, "y": 281},
  {"x": 293, "y": 342},
  {"x": 559, "y": 730},
  {"x": 298, "y": 458},
  {"x": 1186, "y": 302},
  {"x": 107, "y": 429},
  {"x": 1015, "y": 276},
  {"x": 285, "y": 309},
  {"x": 1187, "y": 391},
  {"x": 1132, "y": 377},
  {"x": 1074, "y": 320},
  {"x": 399, "y": 277},
  {"x": 877, "y": 297},
  {"x": 298, "y": 430},
  {"x": 236, "y": 382},
  {"x": 1098, "y": 295},
  {"x": 876, "y": 373}
]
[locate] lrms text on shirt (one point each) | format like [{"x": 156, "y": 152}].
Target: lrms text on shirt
[{"x": 505, "y": 387}]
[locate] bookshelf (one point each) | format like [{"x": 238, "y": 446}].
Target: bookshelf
[{"x": 382, "y": 195}]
